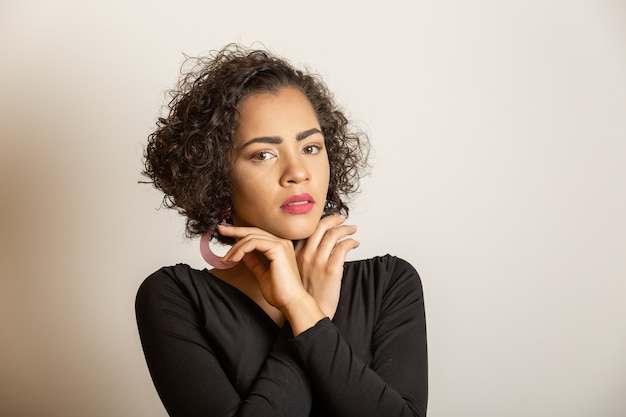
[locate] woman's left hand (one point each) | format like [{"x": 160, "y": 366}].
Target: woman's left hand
[{"x": 320, "y": 259}]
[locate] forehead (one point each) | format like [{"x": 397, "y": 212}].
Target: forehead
[{"x": 275, "y": 113}]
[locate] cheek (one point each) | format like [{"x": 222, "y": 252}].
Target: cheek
[
  {"x": 241, "y": 194},
  {"x": 240, "y": 184},
  {"x": 326, "y": 175},
  {"x": 248, "y": 193}
]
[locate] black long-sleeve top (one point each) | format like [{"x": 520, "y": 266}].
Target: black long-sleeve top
[{"x": 212, "y": 351}]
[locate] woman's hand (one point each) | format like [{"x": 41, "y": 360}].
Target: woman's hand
[
  {"x": 303, "y": 282},
  {"x": 320, "y": 260},
  {"x": 271, "y": 260}
]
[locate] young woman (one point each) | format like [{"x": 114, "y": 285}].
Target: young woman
[{"x": 256, "y": 154}]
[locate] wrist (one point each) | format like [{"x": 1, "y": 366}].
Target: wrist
[{"x": 303, "y": 313}]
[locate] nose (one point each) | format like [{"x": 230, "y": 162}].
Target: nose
[{"x": 295, "y": 170}]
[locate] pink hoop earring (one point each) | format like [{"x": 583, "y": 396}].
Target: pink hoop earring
[{"x": 208, "y": 255}]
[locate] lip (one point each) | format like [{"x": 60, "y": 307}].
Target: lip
[{"x": 298, "y": 204}]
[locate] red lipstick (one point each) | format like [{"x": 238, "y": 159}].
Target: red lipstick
[{"x": 299, "y": 204}]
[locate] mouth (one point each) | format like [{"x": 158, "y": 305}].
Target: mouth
[{"x": 298, "y": 204}]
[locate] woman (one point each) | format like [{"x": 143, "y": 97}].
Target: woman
[{"x": 256, "y": 154}]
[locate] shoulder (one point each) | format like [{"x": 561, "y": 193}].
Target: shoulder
[
  {"x": 387, "y": 267},
  {"x": 179, "y": 279},
  {"x": 388, "y": 261},
  {"x": 386, "y": 275},
  {"x": 375, "y": 292},
  {"x": 168, "y": 275}
]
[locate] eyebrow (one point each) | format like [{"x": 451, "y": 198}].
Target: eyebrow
[{"x": 275, "y": 140}]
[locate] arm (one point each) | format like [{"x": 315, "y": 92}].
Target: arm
[
  {"x": 395, "y": 382},
  {"x": 186, "y": 367},
  {"x": 304, "y": 281}
]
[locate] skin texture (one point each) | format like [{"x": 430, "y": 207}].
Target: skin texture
[
  {"x": 265, "y": 175},
  {"x": 290, "y": 264}
]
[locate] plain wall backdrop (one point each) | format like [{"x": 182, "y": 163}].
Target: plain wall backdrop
[{"x": 499, "y": 136}]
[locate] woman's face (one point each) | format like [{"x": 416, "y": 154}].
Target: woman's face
[{"x": 280, "y": 171}]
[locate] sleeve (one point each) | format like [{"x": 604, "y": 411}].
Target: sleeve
[
  {"x": 187, "y": 372},
  {"x": 395, "y": 383}
]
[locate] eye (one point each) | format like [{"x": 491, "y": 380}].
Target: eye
[
  {"x": 312, "y": 149},
  {"x": 262, "y": 156}
]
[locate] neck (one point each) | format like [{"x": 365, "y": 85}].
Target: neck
[{"x": 242, "y": 278}]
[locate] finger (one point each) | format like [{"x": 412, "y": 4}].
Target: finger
[
  {"x": 333, "y": 236},
  {"x": 268, "y": 245},
  {"x": 242, "y": 247},
  {"x": 255, "y": 263},
  {"x": 326, "y": 246},
  {"x": 319, "y": 256},
  {"x": 336, "y": 262},
  {"x": 325, "y": 224},
  {"x": 340, "y": 252}
]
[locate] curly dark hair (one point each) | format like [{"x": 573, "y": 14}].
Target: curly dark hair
[{"x": 188, "y": 156}]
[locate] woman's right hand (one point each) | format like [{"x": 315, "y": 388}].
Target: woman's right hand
[
  {"x": 272, "y": 261},
  {"x": 303, "y": 282},
  {"x": 276, "y": 270}
]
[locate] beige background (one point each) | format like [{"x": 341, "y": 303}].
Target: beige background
[{"x": 499, "y": 130}]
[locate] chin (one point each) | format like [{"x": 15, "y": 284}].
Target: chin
[
  {"x": 295, "y": 230},
  {"x": 299, "y": 234}
]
